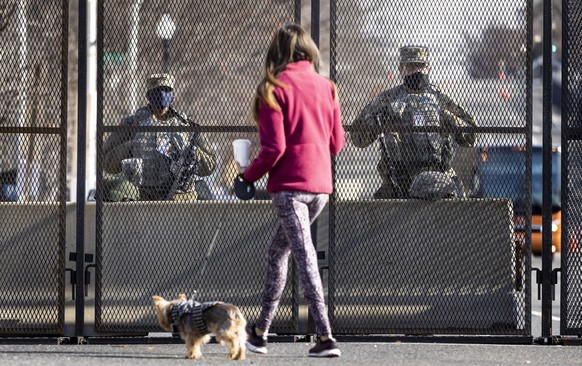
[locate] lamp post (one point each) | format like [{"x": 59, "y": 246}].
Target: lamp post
[{"x": 165, "y": 29}]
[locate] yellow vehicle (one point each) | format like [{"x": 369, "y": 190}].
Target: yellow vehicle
[
  {"x": 536, "y": 199},
  {"x": 501, "y": 172}
]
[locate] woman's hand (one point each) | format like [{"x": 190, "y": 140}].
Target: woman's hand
[{"x": 239, "y": 168}]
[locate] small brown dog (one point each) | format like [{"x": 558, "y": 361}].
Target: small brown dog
[{"x": 196, "y": 322}]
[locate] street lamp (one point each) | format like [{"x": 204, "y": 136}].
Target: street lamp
[{"x": 165, "y": 29}]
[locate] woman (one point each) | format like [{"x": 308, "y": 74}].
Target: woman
[{"x": 298, "y": 115}]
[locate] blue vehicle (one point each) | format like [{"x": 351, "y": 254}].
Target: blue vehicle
[{"x": 501, "y": 174}]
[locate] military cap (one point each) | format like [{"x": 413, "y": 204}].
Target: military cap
[
  {"x": 158, "y": 80},
  {"x": 413, "y": 54}
]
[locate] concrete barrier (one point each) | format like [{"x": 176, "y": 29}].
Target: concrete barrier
[
  {"x": 32, "y": 275},
  {"x": 396, "y": 266},
  {"x": 213, "y": 250},
  {"x": 412, "y": 266}
]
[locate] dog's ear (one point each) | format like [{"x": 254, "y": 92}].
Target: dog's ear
[
  {"x": 157, "y": 299},
  {"x": 182, "y": 297}
]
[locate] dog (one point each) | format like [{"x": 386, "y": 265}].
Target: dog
[{"x": 196, "y": 322}]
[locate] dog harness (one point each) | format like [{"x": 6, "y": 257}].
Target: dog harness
[{"x": 193, "y": 311}]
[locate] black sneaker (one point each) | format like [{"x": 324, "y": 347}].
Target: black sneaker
[
  {"x": 326, "y": 348},
  {"x": 255, "y": 343}
]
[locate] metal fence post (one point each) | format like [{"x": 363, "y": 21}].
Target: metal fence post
[
  {"x": 547, "y": 167},
  {"x": 81, "y": 158}
]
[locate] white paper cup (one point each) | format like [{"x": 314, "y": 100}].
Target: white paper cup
[{"x": 242, "y": 151}]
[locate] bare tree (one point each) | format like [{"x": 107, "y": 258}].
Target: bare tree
[{"x": 497, "y": 49}]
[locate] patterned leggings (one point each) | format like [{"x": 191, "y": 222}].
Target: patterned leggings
[{"x": 296, "y": 212}]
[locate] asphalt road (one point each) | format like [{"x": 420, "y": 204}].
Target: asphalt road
[{"x": 295, "y": 354}]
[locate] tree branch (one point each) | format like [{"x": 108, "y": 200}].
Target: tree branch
[{"x": 6, "y": 12}]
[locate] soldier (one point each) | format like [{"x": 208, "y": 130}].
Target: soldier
[
  {"x": 162, "y": 165},
  {"x": 426, "y": 155}
]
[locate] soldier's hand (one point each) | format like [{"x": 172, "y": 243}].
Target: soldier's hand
[
  {"x": 463, "y": 138},
  {"x": 450, "y": 119}
]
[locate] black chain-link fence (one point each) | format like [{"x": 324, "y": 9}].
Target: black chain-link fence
[
  {"x": 429, "y": 230},
  {"x": 33, "y": 73},
  {"x": 571, "y": 278}
]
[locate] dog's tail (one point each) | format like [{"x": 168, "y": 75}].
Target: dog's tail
[{"x": 240, "y": 324}]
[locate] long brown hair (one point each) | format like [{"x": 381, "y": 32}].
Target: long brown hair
[{"x": 291, "y": 43}]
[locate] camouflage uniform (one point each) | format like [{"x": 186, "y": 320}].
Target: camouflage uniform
[
  {"x": 145, "y": 158},
  {"x": 409, "y": 154}
]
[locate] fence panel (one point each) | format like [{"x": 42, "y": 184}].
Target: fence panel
[
  {"x": 33, "y": 95},
  {"x": 206, "y": 246},
  {"x": 421, "y": 266},
  {"x": 571, "y": 276}
]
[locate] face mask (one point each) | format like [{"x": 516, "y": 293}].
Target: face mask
[
  {"x": 160, "y": 99},
  {"x": 416, "y": 81}
]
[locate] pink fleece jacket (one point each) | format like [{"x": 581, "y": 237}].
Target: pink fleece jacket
[{"x": 298, "y": 140}]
